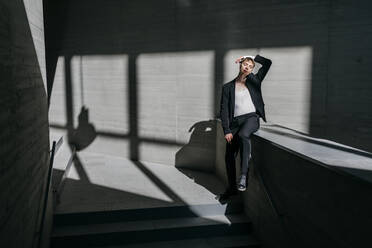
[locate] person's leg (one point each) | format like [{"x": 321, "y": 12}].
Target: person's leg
[
  {"x": 249, "y": 126},
  {"x": 230, "y": 155},
  {"x": 245, "y": 151}
]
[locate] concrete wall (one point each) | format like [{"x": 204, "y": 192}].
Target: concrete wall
[
  {"x": 152, "y": 70},
  {"x": 305, "y": 192},
  {"x": 349, "y": 86},
  {"x": 24, "y": 139},
  {"x": 314, "y": 206}
]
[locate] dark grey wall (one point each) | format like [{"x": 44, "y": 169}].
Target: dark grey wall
[
  {"x": 24, "y": 138},
  {"x": 349, "y": 85},
  {"x": 318, "y": 83}
]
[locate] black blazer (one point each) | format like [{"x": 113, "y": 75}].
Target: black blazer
[{"x": 253, "y": 83}]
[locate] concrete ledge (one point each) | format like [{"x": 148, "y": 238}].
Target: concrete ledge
[
  {"x": 341, "y": 158},
  {"x": 304, "y": 191},
  {"x": 307, "y": 192}
]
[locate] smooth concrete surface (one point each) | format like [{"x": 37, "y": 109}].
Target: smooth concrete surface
[
  {"x": 305, "y": 191},
  {"x": 308, "y": 192},
  {"x": 35, "y": 16},
  {"x": 155, "y": 225},
  {"x": 337, "y": 156},
  {"x": 206, "y": 230},
  {"x": 231, "y": 241},
  {"x": 173, "y": 109},
  {"x": 168, "y": 73},
  {"x": 149, "y": 225},
  {"x": 111, "y": 200},
  {"x": 168, "y": 233},
  {"x": 99, "y": 182},
  {"x": 333, "y": 155},
  {"x": 109, "y": 183},
  {"x": 24, "y": 141}
]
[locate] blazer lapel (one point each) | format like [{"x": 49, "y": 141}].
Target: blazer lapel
[
  {"x": 232, "y": 94},
  {"x": 251, "y": 91},
  {"x": 249, "y": 86}
]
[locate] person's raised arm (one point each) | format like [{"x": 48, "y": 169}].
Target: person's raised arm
[{"x": 266, "y": 63}]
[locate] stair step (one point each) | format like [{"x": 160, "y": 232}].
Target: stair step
[
  {"x": 148, "y": 225},
  {"x": 86, "y": 218},
  {"x": 215, "y": 242},
  {"x": 150, "y": 230}
]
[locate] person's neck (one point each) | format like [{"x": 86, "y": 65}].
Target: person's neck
[{"x": 241, "y": 78}]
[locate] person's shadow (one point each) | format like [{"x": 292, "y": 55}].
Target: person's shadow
[
  {"x": 197, "y": 160},
  {"x": 200, "y": 153},
  {"x": 85, "y": 133}
]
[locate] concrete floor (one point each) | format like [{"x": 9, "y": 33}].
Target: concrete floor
[{"x": 99, "y": 182}]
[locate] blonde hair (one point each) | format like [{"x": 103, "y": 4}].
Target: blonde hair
[
  {"x": 244, "y": 59},
  {"x": 247, "y": 58}
]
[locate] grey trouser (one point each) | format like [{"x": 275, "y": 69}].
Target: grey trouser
[{"x": 242, "y": 127}]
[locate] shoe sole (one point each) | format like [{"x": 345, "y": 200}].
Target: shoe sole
[{"x": 242, "y": 189}]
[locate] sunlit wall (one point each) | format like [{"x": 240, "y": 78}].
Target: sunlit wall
[
  {"x": 286, "y": 89},
  {"x": 175, "y": 61},
  {"x": 175, "y": 91}
]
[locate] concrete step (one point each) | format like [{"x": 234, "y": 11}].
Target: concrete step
[
  {"x": 154, "y": 230},
  {"x": 86, "y": 218},
  {"x": 233, "y": 241},
  {"x": 104, "y": 183}
]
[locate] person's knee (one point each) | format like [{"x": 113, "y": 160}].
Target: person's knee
[{"x": 244, "y": 137}]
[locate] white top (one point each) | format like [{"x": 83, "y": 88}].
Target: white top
[{"x": 243, "y": 102}]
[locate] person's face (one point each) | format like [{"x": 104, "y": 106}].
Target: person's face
[{"x": 246, "y": 67}]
